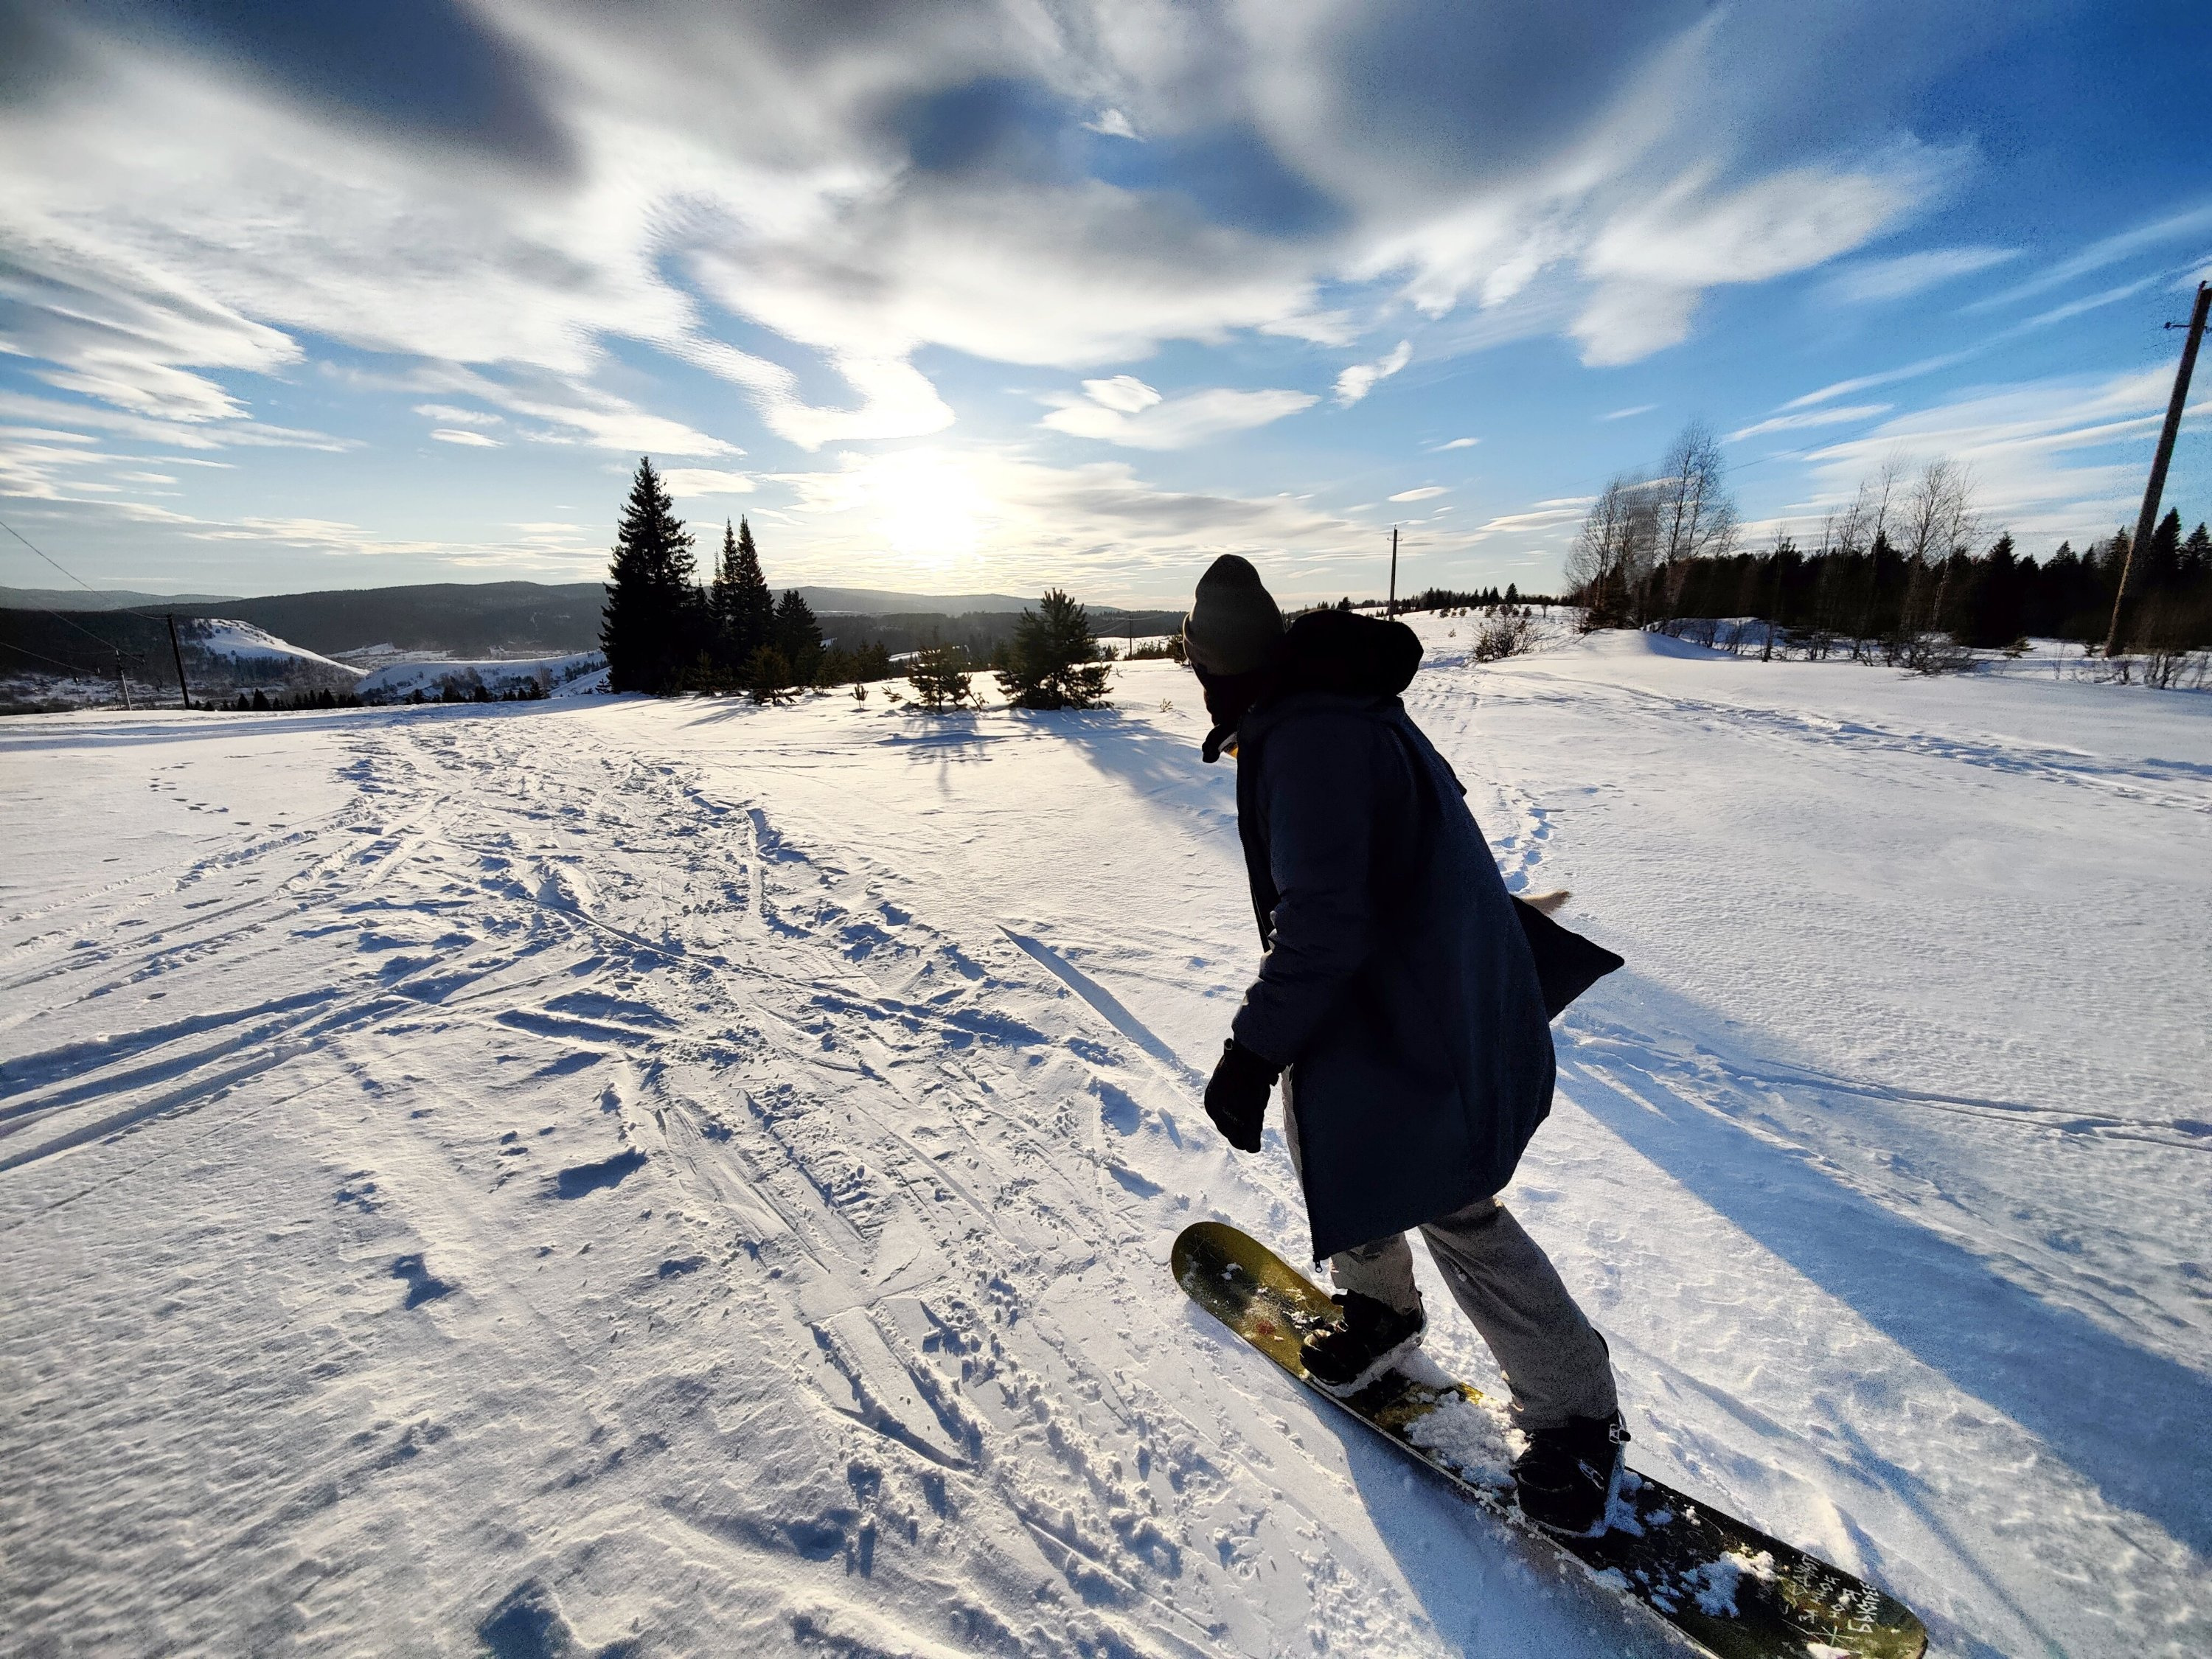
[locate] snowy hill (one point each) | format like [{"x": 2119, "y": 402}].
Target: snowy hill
[
  {"x": 226, "y": 642},
  {"x": 668, "y": 1177},
  {"x": 431, "y": 679}
]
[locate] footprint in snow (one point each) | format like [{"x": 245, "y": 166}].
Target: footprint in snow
[{"x": 422, "y": 1285}]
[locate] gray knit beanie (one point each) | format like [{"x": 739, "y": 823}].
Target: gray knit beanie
[{"x": 1233, "y": 626}]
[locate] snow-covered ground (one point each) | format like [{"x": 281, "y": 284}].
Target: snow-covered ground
[
  {"x": 243, "y": 643},
  {"x": 575, "y": 672},
  {"x": 619, "y": 1177}
]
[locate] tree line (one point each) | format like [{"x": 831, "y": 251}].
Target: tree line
[
  {"x": 665, "y": 633},
  {"x": 1898, "y": 574}
]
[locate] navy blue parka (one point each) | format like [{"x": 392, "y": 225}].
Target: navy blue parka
[{"x": 1398, "y": 987}]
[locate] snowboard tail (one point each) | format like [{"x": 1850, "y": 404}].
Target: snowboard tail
[{"x": 1731, "y": 1589}]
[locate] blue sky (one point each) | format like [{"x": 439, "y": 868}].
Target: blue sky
[{"x": 1000, "y": 294}]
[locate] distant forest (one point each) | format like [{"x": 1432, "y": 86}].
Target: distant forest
[
  {"x": 1988, "y": 599},
  {"x": 1894, "y": 573}
]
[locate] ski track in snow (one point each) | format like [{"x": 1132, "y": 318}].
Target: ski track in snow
[{"x": 632, "y": 1178}]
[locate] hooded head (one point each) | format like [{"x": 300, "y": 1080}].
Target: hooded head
[{"x": 1234, "y": 627}]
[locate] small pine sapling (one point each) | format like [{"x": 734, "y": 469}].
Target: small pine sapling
[
  {"x": 939, "y": 677},
  {"x": 1052, "y": 661}
]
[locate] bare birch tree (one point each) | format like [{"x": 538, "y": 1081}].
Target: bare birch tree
[
  {"x": 1613, "y": 551},
  {"x": 1937, "y": 517},
  {"x": 1697, "y": 517}
]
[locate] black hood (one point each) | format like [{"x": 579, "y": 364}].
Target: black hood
[
  {"x": 1352, "y": 655},
  {"x": 1335, "y": 651}
]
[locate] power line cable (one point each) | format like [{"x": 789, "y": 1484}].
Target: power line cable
[
  {"x": 47, "y": 557},
  {"x": 105, "y": 645},
  {"x": 24, "y": 651}
]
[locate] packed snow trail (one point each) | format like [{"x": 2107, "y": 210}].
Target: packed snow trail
[{"x": 700, "y": 1177}]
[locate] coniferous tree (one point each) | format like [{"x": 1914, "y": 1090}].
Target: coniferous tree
[
  {"x": 872, "y": 662},
  {"x": 939, "y": 675},
  {"x": 2197, "y": 553},
  {"x": 2161, "y": 561},
  {"x": 722, "y": 651},
  {"x": 798, "y": 636},
  {"x": 1052, "y": 661},
  {"x": 647, "y": 624},
  {"x": 745, "y": 610},
  {"x": 768, "y": 674}
]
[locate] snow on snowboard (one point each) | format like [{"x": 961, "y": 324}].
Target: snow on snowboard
[{"x": 1729, "y": 1588}]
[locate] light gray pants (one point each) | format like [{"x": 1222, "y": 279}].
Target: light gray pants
[{"x": 1554, "y": 1361}]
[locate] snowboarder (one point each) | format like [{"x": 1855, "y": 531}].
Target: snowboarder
[{"x": 1401, "y": 1004}]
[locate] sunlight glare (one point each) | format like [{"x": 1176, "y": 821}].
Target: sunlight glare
[{"x": 927, "y": 506}]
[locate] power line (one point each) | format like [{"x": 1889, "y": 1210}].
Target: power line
[
  {"x": 47, "y": 557},
  {"x": 2147, "y": 523},
  {"x": 105, "y": 645},
  {"x": 24, "y": 651}
]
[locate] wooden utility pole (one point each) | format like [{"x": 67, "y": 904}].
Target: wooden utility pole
[
  {"x": 123, "y": 680},
  {"x": 2149, "y": 522},
  {"x": 1393, "y": 609},
  {"x": 183, "y": 690}
]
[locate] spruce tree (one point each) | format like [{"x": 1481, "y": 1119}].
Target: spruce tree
[
  {"x": 1052, "y": 661},
  {"x": 721, "y": 611},
  {"x": 648, "y": 625},
  {"x": 2197, "y": 553},
  {"x": 752, "y": 607},
  {"x": 768, "y": 674},
  {"x": 2161, "y": 561},
  {"x": 797, "y": 634}
]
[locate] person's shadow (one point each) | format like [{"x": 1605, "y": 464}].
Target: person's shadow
[{"x": 2131, "y": 1421}]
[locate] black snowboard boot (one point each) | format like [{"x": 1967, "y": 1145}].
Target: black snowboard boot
[
  {"x": 1567, "y": 1476},
  {"x": 1372, "y": 1337}
]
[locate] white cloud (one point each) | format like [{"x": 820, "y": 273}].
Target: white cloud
[
  {"x": 2057, "y": 457},
  {"x": 452, "y": 416},
  {"x": 989, "y": 515},
  {"x": 1837, "y": 416},
  {"x": 1457, "y": 443},
  {"x": 183, "y": 434},
  {"x": 1628, "y": 413},
  {"x": 1886, "y": 377},
  {"x": 1113, "y": 123},
  {"x": 1357, "y": 381},
  {"x": 1426, "y": 492},
  {"x": 1652, "y": 259},
  {"x": 449, "y": 435},
  {"x": 707, "y": 481},
  {"x": 1907, "y": 274},
  {"x": 2091, "y": 302},
  {"x": 1125, "y": 394},
  {"x": 1125, "y": 410},
  {"x": 1625, "y": 321},
  {"x": 2107, "y": 251},
  {"x": 1545, "y": 518}
]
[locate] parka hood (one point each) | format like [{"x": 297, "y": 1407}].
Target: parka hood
[
  {"x": 1338, "y": 652},
  {"x": 1350, "y": 654}
]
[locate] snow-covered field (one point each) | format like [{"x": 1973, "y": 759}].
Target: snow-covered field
[{"x": 601, "y": 1175}]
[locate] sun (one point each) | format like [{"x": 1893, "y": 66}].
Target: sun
[{"x": 927, "y": 506}]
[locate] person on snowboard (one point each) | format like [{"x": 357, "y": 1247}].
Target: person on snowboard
[{"x": 1404, "y": 1001}]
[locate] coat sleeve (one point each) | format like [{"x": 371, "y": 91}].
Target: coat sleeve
[{"x": 1335, "y": 795}]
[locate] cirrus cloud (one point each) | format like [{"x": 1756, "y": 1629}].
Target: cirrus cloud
[{"x": 1125, "y": 410}]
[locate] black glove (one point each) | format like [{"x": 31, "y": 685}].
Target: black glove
[{"x": 1237, "y": 1095}]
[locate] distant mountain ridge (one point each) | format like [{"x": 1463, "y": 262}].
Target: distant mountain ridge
[
  {"x": 496, "y": 619},
  {"x": 105, "y": 598}
]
